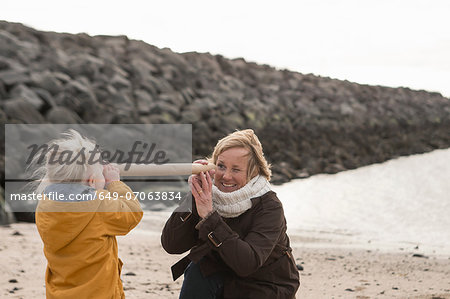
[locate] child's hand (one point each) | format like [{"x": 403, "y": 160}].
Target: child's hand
[{"x": 111, "y": 173}]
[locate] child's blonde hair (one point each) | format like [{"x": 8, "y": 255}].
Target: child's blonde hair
[{"x": 51, "y": 170}]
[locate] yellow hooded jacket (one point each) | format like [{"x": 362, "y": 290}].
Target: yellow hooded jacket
[{"x": 80, "y": 243}]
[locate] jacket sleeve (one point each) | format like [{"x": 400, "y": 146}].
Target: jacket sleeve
[
  {"x": 120, "y": 209},
  {"x": 245, "y": 255},
  {"x": 179, "y": 234}
]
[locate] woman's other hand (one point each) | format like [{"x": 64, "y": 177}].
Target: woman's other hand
[
  {"x": 203, "y": 162},
  {"x": 201, "y": 188}
]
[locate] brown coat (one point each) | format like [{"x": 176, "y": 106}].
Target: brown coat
[{"x": 252, "y": 250}]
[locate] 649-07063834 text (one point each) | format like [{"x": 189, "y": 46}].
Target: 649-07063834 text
[{"x": 151, "y": 195}]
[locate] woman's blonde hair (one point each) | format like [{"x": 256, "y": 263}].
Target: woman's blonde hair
[
  {"x": 72, "y": 143},
  {"x": 247, "y": 139}
]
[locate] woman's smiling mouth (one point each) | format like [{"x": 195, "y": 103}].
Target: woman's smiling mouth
[{"x": 228, "y": 185}]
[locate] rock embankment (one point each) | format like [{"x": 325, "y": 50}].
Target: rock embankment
[{"x": 307, "y": 124}]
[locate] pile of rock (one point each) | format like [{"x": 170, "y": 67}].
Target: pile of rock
[{"x": 307, "y": 124}]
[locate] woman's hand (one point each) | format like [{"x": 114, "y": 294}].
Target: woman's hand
[
  {"x": 201, "y": 188},
  {"x": 203, "y": 162}
]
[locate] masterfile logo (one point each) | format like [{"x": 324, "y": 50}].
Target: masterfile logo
[{"x": 31, "y": 150}]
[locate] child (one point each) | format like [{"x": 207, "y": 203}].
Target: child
[{"x": 78, "y": 221}]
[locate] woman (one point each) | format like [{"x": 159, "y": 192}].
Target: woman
[{"x": 236, "y": 230}]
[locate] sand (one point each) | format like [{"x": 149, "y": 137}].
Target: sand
[{"x": 329, "y": 272}]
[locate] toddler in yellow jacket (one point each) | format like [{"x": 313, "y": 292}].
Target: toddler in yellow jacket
[{"x": 78, "y": 220}]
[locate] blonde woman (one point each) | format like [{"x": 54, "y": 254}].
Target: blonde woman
[
  {"x": 85, "y": 206},
  {"x": 236, "y": 232}
]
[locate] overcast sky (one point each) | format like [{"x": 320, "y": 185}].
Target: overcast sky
[{"x": 381, "y": 42}]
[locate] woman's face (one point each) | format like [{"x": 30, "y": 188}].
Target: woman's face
[{"x": 231, "y": 170}]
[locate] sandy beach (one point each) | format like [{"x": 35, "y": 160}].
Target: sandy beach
[{"x": 328, "y": 272}]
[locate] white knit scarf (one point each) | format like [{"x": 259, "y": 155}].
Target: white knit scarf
[{"x": 233, "y": 204}]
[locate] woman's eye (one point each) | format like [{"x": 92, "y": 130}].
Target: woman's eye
[
  {"x": 236, "y": 170},
  {"x": 221, "y": 166}
]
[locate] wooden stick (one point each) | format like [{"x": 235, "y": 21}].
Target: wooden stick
[{"x": 172, "y": 169}]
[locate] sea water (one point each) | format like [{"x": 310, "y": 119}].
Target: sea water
[{"x": 401, "y": 204}]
